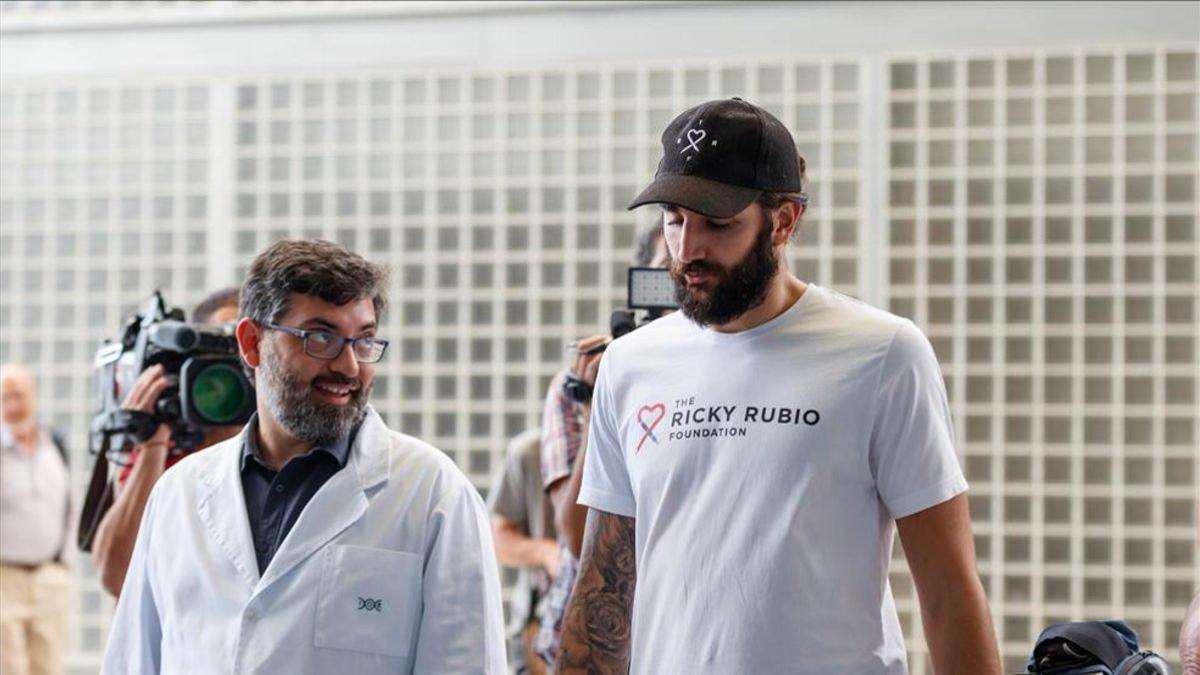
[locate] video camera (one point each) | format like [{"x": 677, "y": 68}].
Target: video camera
[
  {"x": 649, "y": 289},
  {"x": 207, "y": 388}
]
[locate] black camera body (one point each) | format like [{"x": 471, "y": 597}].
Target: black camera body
[
  {"x": 208, "y": 386},
  {"x": 649, "y": 289}
]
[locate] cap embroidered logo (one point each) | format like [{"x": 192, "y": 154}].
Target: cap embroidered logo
[{"x": 694, "y": 137}]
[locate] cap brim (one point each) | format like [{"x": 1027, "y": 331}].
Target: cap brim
[{"x": 702, "y": 195}]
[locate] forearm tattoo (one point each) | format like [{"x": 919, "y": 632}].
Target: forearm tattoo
[{"x": 596, "y": 628}]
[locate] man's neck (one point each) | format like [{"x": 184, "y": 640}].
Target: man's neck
[
  {"x": 785, "y": 290},
  {"x": 275, "y": 445}
]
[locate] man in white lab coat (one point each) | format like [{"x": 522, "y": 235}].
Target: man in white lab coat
[{"x": 317, "y": 540}]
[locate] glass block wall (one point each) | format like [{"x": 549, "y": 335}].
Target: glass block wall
[
  {"x": 1048, "y": 248},
  {"x": 1041, "y": 228}
]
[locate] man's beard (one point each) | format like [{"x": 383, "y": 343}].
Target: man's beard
[
  {"x": 731, "y": 292},
  {"x": 290, "y": 402}
]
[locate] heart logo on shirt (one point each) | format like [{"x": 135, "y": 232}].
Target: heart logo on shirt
[{"x": 649, "y": 417}]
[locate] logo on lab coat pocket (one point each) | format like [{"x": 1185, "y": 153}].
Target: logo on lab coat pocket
[{"x": 370, "y": 604}]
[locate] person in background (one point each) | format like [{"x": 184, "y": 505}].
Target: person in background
[
  {"x": 34, "y": 514},
  {"x": 564, "y": 425},
  {"x": 1189, "y": 639},
  {"x": 118, "y": 529},
  {"x": 523, "y": 531}
]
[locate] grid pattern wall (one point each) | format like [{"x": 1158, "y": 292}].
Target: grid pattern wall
[
  {"x": 1041, "y": 212},
  {"x": 104, "y": 195},
  {"x": 499, "y": 202}
]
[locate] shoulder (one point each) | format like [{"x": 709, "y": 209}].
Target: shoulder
[
  {"x": 842, "y": 312},
  {"x": 853, "y": 328},
  {"x": 410, "y": 452},
  {"x": 413, "y": 461},
  {"x": 201, "y": 466},
  {"x": 665, "y": 332},
  {"x": 908, "y": 344},
  {"x": 523, "y": 444}
]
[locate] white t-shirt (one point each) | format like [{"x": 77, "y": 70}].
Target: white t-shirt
[{"x": 765, "y": 469}]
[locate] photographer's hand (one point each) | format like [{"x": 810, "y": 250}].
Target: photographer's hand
[
  {"x": 142, "y": 397},
  {"x": 586, "y": 365},
  {"x": 117, "y": 532}
]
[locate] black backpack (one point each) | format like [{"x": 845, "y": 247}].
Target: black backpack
[{"x": 1093, "y": 648}]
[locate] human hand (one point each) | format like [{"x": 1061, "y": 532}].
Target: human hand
[
  {"x": 144, "y": 394},
  {"x": 587, "y": 366}
]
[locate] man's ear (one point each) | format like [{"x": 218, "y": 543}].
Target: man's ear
[
  {"x": 786, "y": 219},
  {"x": 249, "y": 337}
]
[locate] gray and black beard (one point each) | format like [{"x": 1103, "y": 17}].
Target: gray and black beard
[
  {"x": 735, "y": 290},
  {"x": 291, "y": 403}
]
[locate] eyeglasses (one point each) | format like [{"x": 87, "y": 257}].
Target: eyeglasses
[{"x": 322, "y": 344}]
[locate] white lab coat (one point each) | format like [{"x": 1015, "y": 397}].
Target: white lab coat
[{"x": 389, "y": 569}]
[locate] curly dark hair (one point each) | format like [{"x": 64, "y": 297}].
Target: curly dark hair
[{"x": 318, "y": 268}]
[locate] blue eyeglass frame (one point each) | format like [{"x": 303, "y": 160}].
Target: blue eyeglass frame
[{"x": 303, "y": 335}]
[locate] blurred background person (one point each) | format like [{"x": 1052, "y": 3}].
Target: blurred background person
[
  {"x": 117, "y": 531},
  {"x": 34, "y": 521},
  {"x": 523, "y": 531},
  {"x": 564, "y": 435},
  {"x": 1189, "y": 639}
]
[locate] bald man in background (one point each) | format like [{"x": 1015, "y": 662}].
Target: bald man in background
[{"x": 34, "y": 512}]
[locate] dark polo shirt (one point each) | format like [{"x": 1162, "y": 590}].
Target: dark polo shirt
[{"x": 275, "y": 499}]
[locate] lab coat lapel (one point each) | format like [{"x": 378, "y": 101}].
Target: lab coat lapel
[
  {"x": 222, "y": 508},
  {"x": 340, "y": 502}
]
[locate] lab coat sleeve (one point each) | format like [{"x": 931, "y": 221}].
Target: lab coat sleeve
[
  {"x": 135, "y": 639},
  {"x": 462, "y": 623}
]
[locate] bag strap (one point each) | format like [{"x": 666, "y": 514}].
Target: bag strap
[
  {"x": 98, "y": 501},
  {"x": 1143, "y": 663},
  {"x": 61, "y": 444}
]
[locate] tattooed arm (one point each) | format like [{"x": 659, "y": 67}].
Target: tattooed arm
[{"x": 596, "y": 627}]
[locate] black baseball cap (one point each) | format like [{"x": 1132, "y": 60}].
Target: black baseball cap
[{"x": 720, "y": 156}]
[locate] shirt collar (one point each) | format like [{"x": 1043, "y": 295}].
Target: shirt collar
[{"x": 339, "y": 450}]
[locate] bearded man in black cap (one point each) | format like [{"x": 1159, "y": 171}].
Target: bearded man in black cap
[{"x": 752, "y": 456}]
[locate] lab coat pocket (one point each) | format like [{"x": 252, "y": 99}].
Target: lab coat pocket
[{"x": 369, "y": 600}]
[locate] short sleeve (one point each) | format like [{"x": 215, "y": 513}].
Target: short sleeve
[
  {"x": 506, "y": 498},
  {"x": 606, "y": 484},
  {"x": 912, "y": 439}
]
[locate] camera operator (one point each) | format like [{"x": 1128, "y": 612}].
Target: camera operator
[
  {"x": 117, "y": 531},
  {"x": 564, "y": 427}
]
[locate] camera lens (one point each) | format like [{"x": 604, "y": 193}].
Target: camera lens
[{"x": 218, "y": 394}]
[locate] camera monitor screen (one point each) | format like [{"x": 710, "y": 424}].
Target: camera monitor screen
[{"x": 651, "y": 288}]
